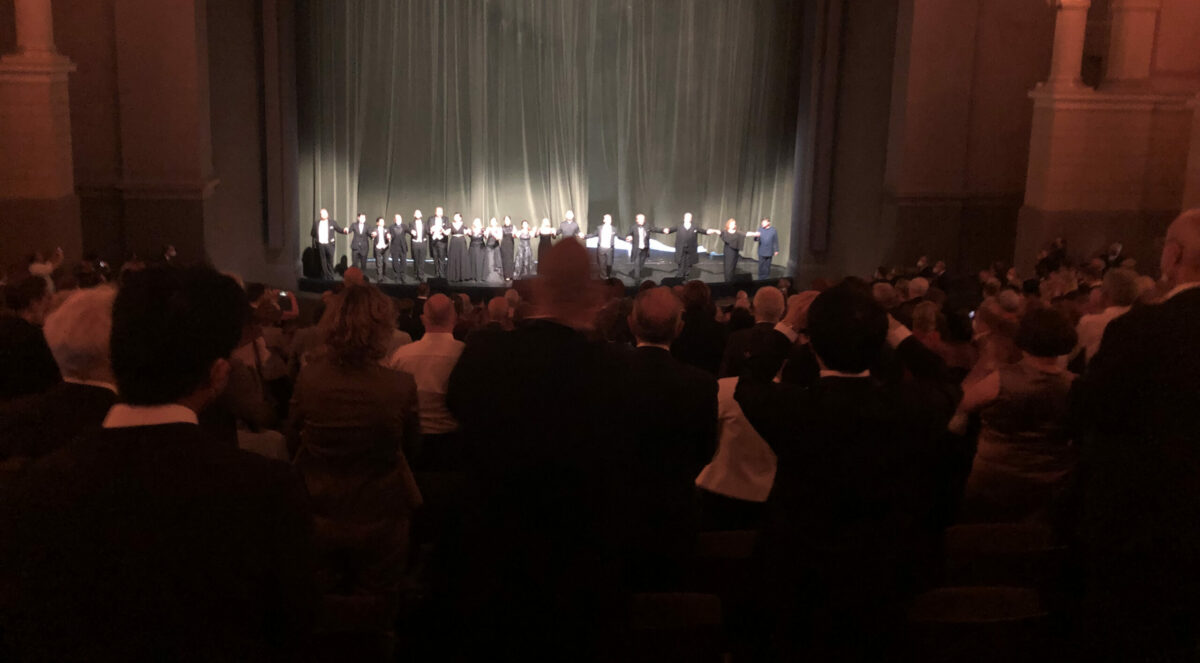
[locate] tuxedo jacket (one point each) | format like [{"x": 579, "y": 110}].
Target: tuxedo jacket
[
  {"x": 360, "y": 241},
  {"x": 334, "y": 229},
  {"x": 388, "y": 237},
  {"x": 155, "y": 543},
  {"x": 686, "y": 242},
  {"x": 399, "y": 236},
  {"x": 768, "y": 242},
  {"x": 633, "y": 236}
]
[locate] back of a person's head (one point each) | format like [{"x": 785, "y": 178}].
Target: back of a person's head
[
  {"x": 26, "y": 292},
  {"x": 497, "y": 309},
  {"x": 169, "y": 326},
  {"x": 78, "y": 334},
  {"x": 1120, "y": 287},
  {"x": 1046, "y": 332},
  {"x": 440, "y": 314},
  {"x": 656, "y": 316},
  {"x": 422, "y": 289},
  {"x": 997, "y": 317},
  {"x": 885, "y": 295},
  {"x": 358, "y": 325},
  {"x": 925, "y": 317},
  {"x": 847, "y": 328},
  {"x": 918, "y": 287},
  {"x": 769, "y": 305},
  {"x": 696, "y": 296},
  {"x": 513, "y": 297},
  {"x": 564, "y": 289}
]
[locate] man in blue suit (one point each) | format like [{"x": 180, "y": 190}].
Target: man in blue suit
[{"x": 768, "y": 248}]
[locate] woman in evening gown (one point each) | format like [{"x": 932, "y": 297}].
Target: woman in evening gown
[
  {"x": 458, "y": 265},
  {"x": 492, "y": 238},
  {"x": 734, "y": 241},
  {"x": 478, "y": 268},
  {"x": 506, "y": 248},
  {"x": 524, "y": 258},
  {"x": 545, "y": 239}
]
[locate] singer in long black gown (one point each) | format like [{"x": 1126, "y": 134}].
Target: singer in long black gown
[
  {"x": 494, "y": 270},
  {"x": 478, "y": 269},
  {"x": 458, "y": 265},
  {"x": 524, "y": 266},
  {"x": 546, "y": 236},
  {"x": 734, "y": 241},
  {"x": 506, "y": 250}
]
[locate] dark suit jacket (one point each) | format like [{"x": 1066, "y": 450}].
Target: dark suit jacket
[
  {"x": 539, "y": 409},
  {"x": 671, "y": 428},
  {"x": 761, "y": 339},
  {"x": 701, "y": 343},
  {"x": 569, "y": 228},
  {"x": 360, "y": 241},
  {"x": 768, "y": 242},
  {"x": 633, "y": 235},
  {"x": 26, "y": 365},
  {"x": 399, "y": 238},
  {"x": 686, "y": 243},
  {"x": 1136, "y": 406},
  {"x": 334, "y": 228},
  {"x": 863, "y": 477},
  {"x": 154, "y": 543},
  {"x": 36, "y": 425}
]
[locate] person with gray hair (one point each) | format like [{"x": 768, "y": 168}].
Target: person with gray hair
[
  {"x": 1118, "y": 292},
  {"x": 78, "y": 334},
  {"x": 763, "y": 337}
]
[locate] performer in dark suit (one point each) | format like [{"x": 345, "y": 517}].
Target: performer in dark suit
[
  {"x": 669, "y": 443},
  {"x": 381, "y": 241},
  {"x": 639, "y": 240},
  {"x": 399, "y": 250},
  {"x": 439, "y": 232},
  {"x": 204, "y": 551},
  {"x": 861, "y": 486},
  {"x": 569, "y": 226},
  {"x": 606, "y": 238},
  {"x": 324, "y": 239},
  {"x": 734, "y": 240},
  {"x": 768, "y": 248},
  {"x": 1137, "y": 404},
  {"x": 686, "y": 246},
  {"x": 360, "y": 242},
  {"x": 421, "y": 240}
]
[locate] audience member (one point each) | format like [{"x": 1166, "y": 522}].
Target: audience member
[
  {"x": 78, "y": 335},
  {"x": 1119, "y": 291},
  {"x": 768, "y": 311},
  {"x": 860, "y": 482},
  {"x": 26, "y": 364},
  {"x": 430, "y": 362},
  {"x": 145, "y": 540},
  {"x": 352, "y": 420},
  {"x": 995, "y": 331},
  {"x": 1024, "y": 452},
  {"x": 917, "y": 288},
  {"x": 701, "y": 343},
  {"x": 1137, "y": 404},
  {"x": 671, "y": 433}
]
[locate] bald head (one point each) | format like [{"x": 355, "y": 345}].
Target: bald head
[
  {"x": 564, "y": 289},
  {"x": 497, "y": 309},
  {"x": 656, "y": 316},
  {"x": 1181, "y": 254},
  {"x": 439, "y": 315},
  {"x": 768, "y": 305}
]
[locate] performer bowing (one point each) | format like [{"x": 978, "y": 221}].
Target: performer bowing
[
  {"x": 606, "y": 237},
  {"x": 734, "y": 241},
  {"x": 324, "y": 235},
  {"x": 686, "y": 246},
  {"x": 381, "y": 240}
]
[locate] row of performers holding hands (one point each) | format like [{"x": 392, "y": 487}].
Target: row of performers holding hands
[{"x": 500, "y": 252}]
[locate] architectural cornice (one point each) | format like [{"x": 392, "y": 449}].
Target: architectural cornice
[
  {"x": 1085, "y": 98},
  {"x": 168, "y": 189}
]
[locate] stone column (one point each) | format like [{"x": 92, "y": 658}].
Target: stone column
[
  {"x": 37, "y": 184},
  {"x": 1131, "y": 46},
  {"x": 1070, "y": 28},
  {"x": 1191, "y": 184}
]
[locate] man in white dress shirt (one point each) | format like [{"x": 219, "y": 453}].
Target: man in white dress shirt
[{"x": 1118, "y": 292}]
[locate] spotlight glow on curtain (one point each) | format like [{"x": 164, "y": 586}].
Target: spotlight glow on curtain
[{"x": 533, "y": 107}]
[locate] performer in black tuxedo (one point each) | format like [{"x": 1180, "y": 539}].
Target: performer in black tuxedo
[
  {"x": 569, "y": 227},
  {"x": 360, "y": 242},
  {"x": 324, "y": 237},
  {"x": 606, "y": 237},
  {"x": 507, "y": 249},
  {"x": 686, "y": 245},
  {"x": 381, "y": 242},
  {"x": 439, "y": 231},
  {"x": 399, "y": 251},
  {"x": 734, "y": 241},
  {"x": 768, "y": 248},
  {"x": 420, "y": 239},
  {"x": 639, "y": 240}
]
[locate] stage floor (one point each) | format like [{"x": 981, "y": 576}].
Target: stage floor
[{"x": 709, "y": 270}]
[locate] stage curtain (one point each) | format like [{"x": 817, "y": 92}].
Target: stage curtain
[{"x": 532, "y": 107}]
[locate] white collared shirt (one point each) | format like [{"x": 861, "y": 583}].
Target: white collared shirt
[
  {"x": 827, "y": 373},
  {"x": 129, "y": 416},
  {"x": 92, "y": 383},
  {"x": 1091, "y": 329},
  {"x": 744, "y": 465},
  {"x": 606, "y": 232},
  {"x": 380, "y": 238},
  {"x": 641, "y": 244},
  {"x": 430, "y": 361},
  {"x": 323, "y": 231}
]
